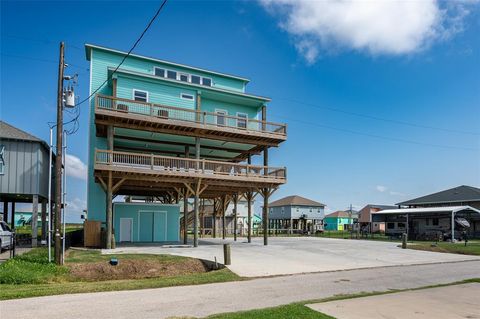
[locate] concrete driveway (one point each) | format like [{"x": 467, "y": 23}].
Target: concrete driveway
[
  {"x": 452, "y": 302},
  {"x": 294, "y": 255}
]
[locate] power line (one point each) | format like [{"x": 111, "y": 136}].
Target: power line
[
  {"x": 378, "y": 136},
  {"x": 127, "y": 55},
  {"x": 372, "y": 117},
  {"x": 39, "y": 40},
  {"x": 38, "y": 59}
]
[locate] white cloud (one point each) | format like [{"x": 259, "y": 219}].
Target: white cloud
[
  {"x": 392, "y": 27},
  {"x": 75, "y": 167},
  {"x": 381, "y": 188},
  {"x": 77, "y": 205}
]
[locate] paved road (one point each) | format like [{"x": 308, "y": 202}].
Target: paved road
[
  {"x": 208, "y": 299},
  {"x": 296, "y": 255},
  {"x": 452, "y": 302}
]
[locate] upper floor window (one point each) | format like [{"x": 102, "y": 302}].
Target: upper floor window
[
  {"x": 195, "y": 79},
  {"x": 242, "y": 120},
  {"x": 172, "y": 74},
  {"x": 141, "y": 96},
  {"x": 207, "y": 81},
  {"x": 159, "y": 72},
  {"x": 183, "y": 77},
  {"x": 186, "y": 96},
  {"x": 2, "y": 159},
  {"x": 221, "y": 120}
]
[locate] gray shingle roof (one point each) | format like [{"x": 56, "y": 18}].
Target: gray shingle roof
[
  {"x": 462, "y": 193},
  {"x": 296, "y": 201},
  {"x": 10, "y": 132}
]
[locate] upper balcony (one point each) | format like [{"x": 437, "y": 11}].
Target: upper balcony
[{"x": 174, "y": 120}]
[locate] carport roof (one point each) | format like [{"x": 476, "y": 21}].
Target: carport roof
[
  {"x": 458, "y": 194},
  {"x": 426, "y": 210}
]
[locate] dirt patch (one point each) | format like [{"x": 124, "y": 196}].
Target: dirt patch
[{"x": 136, "y": 269}]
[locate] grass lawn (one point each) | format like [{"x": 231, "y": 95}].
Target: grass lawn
[
  {"x": 30, "y": 274},
  {"x": 472, "y": 248}
]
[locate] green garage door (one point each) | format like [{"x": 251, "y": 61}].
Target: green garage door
[{"x": 153, "y": 226}]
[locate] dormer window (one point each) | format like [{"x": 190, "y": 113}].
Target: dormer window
[
  {"x": 183, "y": 77},
  {"x": 206, "y": 81},
  {"x": 195, "y": 79},
  {"x": 159, "y": 72},
  {"x": 171, "y": 74}
]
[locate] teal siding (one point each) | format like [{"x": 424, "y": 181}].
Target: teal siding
[
  {"x": 149, "y": 221},
  {"x": 157, "y": 93}
]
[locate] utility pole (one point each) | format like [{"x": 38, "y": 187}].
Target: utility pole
[{"x": 58, "y": 161}]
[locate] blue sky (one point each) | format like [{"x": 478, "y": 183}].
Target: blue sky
[{"x": 378, "y": 110}]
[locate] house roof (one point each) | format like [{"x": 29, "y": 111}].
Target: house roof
[
  {"x": 458, "y": 194},
  {"x": 295, "y": 200},
  {"x": 381, "y": 207},
  {"x": 426, "y": 210},
  {"x": 339, "y": 213},
  {"x": 11, "y": 132}
]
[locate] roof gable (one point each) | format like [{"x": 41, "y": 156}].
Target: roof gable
[
  {"x": 461, "y": 193},
  {"x": 339, "y": 214}
]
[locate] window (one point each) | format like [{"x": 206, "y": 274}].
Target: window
[
  {"x": 183, "y": 77},
  {"x": 221, "y": 117},
  {"x": 242, "y": 120},
  {"x": 186, "y": 96},
  {"x": 195, "y": 79},
  {"x": 435, "y": 222},
  {"x": 390, "y": 225},
  {"x": 207, "y": 81},
  {"x": 2, "y": 160},
  {"x": 159, "y": 72},
  {"x": 171, "y": 74},
  {"x": 141, "y": 96}
]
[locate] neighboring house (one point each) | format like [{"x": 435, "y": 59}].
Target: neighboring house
[
  {"x": 338, "y": 220},
  {"x": 175, "y": 132},
  {"x": 365, "y": 218},
  {"x": 432, "y": 216},
  {"x": 296, "y": 213},
  {"x": 24, "y": 161}
]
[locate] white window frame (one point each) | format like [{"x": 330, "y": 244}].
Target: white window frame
[
  {"x": 187, "y": 94},
  {"x": 182, "y": 73},
  {"x": 199, "y": 83},
  {"x": 166, "y": 74},
  {"x": 225, "y": 114},
  {"x": 136, "y": 90},
  {"x": 164, "y": 71},
  {"x": 2, "y": 160},
  {"x": 246, "y": 120},
  {"x": 211, "y": 81}
]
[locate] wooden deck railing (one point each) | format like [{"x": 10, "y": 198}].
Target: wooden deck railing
[
  {"x": 166, "y": 164},
  {"x": 207, "y": 119}
]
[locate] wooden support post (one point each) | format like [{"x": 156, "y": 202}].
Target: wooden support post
[
  {"x": 5, "y": 211},
  {"x": 224, "y": 220},
  {"x": 109, "y": 216},
  {"x": 12, "y": 221},
  {"x": 249, "y": 216},
  {"x": 34, "y": 220},
  {"x": 214, "y": 225},
  {"x": 44, "y": 221},
  {"x": 196, "y": 214},
  {"x": 235, "y": 202},
  {"x": 185, "y": 216}
]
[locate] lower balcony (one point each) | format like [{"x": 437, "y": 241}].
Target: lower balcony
[{"x": 186, "y": 168}]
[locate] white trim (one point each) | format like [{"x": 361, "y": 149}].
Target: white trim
[
  {"x": 158, "y": 67},
  {"x": 176, "y": 74},
  {"x": 167, "y": 62},
  {"x": 142, "y": 91},
  {"x": 199, "y": 77},
  {"x": 224, "y": 118},
  {"x": 187, "y": 94},
  {"x": 179, "y": 74},
  {"x": 131, "y": 228}
]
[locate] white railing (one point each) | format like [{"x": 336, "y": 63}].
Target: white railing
[
  {"x": 166, "y": 164},
  {"x": 207, "y": 119}
]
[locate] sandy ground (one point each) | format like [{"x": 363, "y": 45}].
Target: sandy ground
[
  {"x": 295, "y": 255},
  {"x": 452, "y": 302}
]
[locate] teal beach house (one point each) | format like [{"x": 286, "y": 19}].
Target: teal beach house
[
  {"x": 338, "y": 220},
  {"x": 174, "y": 135}
]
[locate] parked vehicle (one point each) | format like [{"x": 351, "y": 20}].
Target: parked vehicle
[{"x": 5, "y": 236}]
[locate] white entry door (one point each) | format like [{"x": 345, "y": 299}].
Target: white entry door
[{"x": 126, "y": 229}]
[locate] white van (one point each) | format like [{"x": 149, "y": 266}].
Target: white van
[{"x": 5, "y": 236}]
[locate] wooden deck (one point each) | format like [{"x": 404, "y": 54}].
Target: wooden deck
[{"x": 152, "y": 117}]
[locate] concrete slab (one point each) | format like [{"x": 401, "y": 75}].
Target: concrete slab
[
  {"x": 459, "y": 301},
  {"x": 294, "y": 255}
]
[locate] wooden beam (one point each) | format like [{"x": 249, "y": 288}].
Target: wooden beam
[{"x": 118, "y": 184}]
